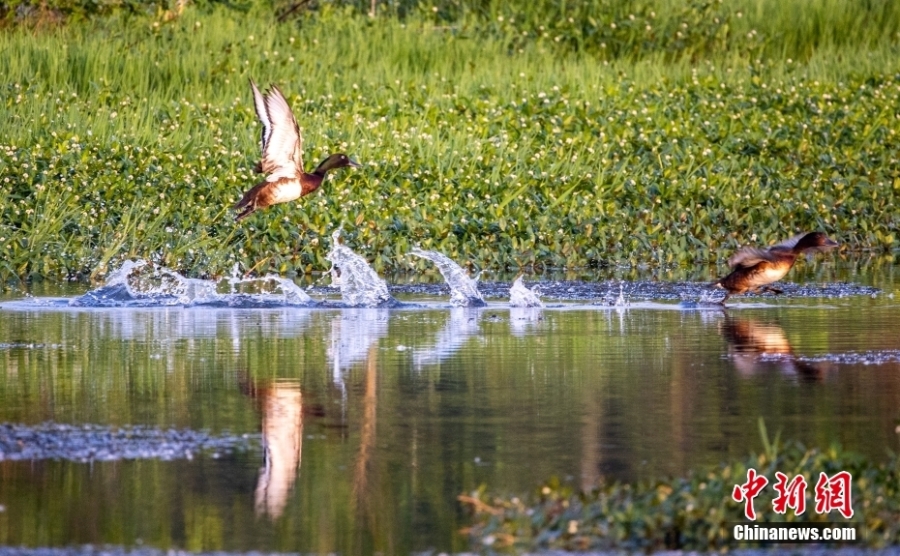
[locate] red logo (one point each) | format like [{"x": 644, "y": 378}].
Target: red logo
[
  {"x": 790, "y": 494},
  {"x": 833, "y": 493},
  {"x": 748, "y": 491}
]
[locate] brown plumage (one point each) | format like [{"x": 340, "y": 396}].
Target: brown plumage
[
  {"x": 282, "y": 157},
  {"x": 755, "y": 268},
  {"x": 755, "y": 347}
]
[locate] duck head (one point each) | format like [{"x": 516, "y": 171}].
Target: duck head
[
  {"x": 337, "y": 160},
  {"x": 815, "y": 242}
]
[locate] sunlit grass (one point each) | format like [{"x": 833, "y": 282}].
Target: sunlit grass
[{"x": 131, "y": 137}]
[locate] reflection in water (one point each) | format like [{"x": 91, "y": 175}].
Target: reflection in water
[
  {"x": 463, "y": 323},
  {"x": 362, "y": 494},
  {"x": 281, "y": 403},
  {"x": 166, "y": 324},
  {"x": 755, "y": 347},
  {"x": 352, "y": 334},
  {"x": 521, "y": 319}
]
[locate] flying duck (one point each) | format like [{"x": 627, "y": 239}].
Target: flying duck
[
  {"x": 282, "y": 157},
  {"x": 755, "y": 268}
]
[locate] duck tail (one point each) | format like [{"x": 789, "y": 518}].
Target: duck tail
[
  {"x": 250, "y": 201},
  {"x": 247, "y": 211},
  {"x": 246, "y": 206}
]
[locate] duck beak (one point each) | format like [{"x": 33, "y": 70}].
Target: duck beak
[{"x": 353, "y": 163}]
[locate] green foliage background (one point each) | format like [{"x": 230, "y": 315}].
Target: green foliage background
[{"x": 507, "y": 134}]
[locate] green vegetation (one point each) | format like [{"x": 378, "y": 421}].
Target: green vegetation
[
  {"x": 692, "y": 513},
  {"x": 605, "y": 132}
]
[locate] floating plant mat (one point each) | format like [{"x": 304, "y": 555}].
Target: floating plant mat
[
  {"x": 632, "y": 291},
  {"x": 84, "y": 443},
  {"x": 875, "y": 357}
]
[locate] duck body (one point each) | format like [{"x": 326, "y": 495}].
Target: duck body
[
  {"x": 755, "y": 268},
  {"x": 282, "y": 157}
]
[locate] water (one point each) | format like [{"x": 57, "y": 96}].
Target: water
[
  {"x": 360, "y": 285},
  {"x": 463, "y": 289},
  {"x": 522, "y": 296},
  {"x": 353, "y": 429},
  {"x": 143, "y": 284}
]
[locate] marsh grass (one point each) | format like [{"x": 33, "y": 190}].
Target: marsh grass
[{"x": 130, "y": 136}]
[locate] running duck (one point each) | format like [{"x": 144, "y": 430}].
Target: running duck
[
  {"x": 755, "y": 268},
  {"x": 282, "y": 157}
]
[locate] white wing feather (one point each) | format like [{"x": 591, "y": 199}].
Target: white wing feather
[
  {"x": 260, "y": 104},
  {"x": 282, "y": 144}
]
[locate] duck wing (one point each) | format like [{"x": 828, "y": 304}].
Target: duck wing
[
  {"x": 259, "y": 104},
  {"x": 790, "y": 242},
  {"x": 750, "y": 256},
  {"x": 282, "y": 144}
]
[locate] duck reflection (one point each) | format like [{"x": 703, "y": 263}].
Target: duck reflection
[
  {"x": 756, "y": 347},
  {"x": 281, "y": 405},
  {"x": 463, "y": 323}
]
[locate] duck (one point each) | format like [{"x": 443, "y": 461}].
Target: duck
[
  {"x": 282, "y": 157},
  {"x": 755, "y": 268}
]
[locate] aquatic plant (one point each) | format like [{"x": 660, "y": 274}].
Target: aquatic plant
[
  {"x": 691, "y": 512},
  {"x": 525, "y": 153}
]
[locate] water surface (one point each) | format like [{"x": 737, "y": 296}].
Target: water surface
[{"x": 363, "y": 425}]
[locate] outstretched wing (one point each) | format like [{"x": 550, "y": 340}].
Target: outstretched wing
[
  {"x": 282, "y": 150},
  {"x": 260, "y": 104},
  {"x": 791, "y": 242},
  {"x": 749, "y": 256}
]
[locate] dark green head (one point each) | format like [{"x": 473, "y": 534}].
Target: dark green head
[
  {"x": 813, "y": 242},
  {"x": 337, "y": 160}
]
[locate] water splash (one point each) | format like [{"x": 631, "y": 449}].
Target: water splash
[
  {"x": 712, "y": 296},
  {"x": 522, "y": 296},
  {"x": 360, "y": 284},
  {"x": 143, "y": 284},
  {"x": 463, "y": 290},
  {"x": 620, "y": 302}
]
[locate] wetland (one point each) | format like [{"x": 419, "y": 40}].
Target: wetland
[
  {"x": 171, "y": 379},
  {"x": 353, "y": 429}
]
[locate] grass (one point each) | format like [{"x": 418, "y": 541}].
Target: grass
[
  {"x": 482, "y": 136},
  {"x": 695, "y": 512}
]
